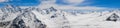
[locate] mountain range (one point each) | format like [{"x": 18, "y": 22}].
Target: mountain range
[{"x": 32, "y": 17}]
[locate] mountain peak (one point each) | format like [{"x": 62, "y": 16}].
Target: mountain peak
[
  {"x": 113, "y": 17},
  {"x": 52, "y": 9}
]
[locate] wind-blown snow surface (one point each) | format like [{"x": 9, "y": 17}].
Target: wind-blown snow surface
[{"x": 15, "y": 17}]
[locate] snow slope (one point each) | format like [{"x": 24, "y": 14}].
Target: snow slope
[{"x": 93, "y": 20}]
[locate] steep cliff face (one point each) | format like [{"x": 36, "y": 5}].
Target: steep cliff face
[{"x": 27, "y": 20}]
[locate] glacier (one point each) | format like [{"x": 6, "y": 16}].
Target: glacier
[{"x": 33, "y": 17}]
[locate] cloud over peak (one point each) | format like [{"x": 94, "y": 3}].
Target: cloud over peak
[{"x": 74, "y": 1}]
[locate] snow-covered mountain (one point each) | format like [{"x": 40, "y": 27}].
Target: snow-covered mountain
[{"x": 32, "y": 17}]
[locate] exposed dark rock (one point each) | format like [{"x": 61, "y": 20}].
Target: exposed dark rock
[
  {"x": 53, "y": 16},
  {"x": 113, "y": 17},
  {"x": 4, "y": 23},
  {"x": 18, "y": 23}
]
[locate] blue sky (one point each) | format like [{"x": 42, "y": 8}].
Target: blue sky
[
  {"x": 21, "y": 2},
  {"x": 97, "y": 3},
  {"x": 106, "y": 3}
]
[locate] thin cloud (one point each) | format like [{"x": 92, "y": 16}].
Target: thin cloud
[
  {"x": 80, "y": 8},
  {"x": 73, "y": 2},
  {"x": 48, "y": 1},
  {"x": 51, "y": 3},
  {"x": 3, "y": 1}
]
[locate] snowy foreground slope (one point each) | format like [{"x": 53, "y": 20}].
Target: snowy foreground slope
[{"x": 15, "y": 17}]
